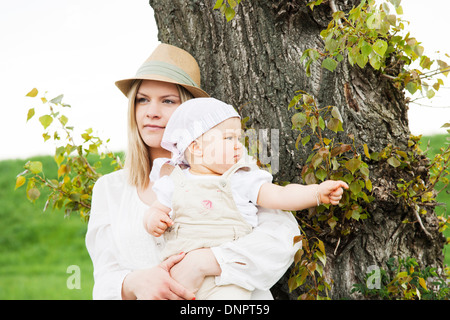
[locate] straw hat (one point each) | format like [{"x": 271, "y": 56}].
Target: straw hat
[{"x": 169, "y": 64}]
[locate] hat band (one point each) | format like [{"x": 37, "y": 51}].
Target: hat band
[{"x": 166, "y": 70}]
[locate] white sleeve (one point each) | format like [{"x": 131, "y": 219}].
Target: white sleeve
[
  {"x": 156, "y": 168},
  {"x": 252, "y": 182},
  {"x": 163, "y": 188},
  {"x": 259, "y": 260},
  {"x": 108, "y": 274}
]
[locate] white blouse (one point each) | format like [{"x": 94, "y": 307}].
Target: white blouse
[{"x": 118, "y": 243}]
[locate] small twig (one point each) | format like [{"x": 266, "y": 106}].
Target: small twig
[
  {"x": 417, "y": 214},
  {"x": 334, "y": 10},
  {"x": 337, "y": 246}
]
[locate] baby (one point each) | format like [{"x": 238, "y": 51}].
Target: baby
[{"x": 215, "y": 199}]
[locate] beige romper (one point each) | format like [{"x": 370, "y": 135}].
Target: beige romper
[{"x": 205, "y": 215}]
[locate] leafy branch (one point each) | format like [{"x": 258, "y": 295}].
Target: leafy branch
[
  {"x": 371, "y": 35},
  {"x": 227, "y": 8},
  {"x": 72, "y": 190}
]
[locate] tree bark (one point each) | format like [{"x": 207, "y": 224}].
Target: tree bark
[{"x": 253, "y": 62}]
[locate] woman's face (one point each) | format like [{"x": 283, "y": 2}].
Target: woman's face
[{"x": 155, "y": 103}]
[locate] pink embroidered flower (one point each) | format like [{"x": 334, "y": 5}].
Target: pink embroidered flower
[{"x": 207, "y": 204}]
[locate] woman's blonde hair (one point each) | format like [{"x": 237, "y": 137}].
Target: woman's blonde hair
[{"x": 137, "y": 162}]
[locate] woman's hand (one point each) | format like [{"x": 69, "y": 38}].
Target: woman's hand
[
  {"x": 155, "y": 283},
  {"x": 193, "y": 269}
]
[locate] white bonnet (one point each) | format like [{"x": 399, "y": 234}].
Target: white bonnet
[{"x": 192, "y": 119}]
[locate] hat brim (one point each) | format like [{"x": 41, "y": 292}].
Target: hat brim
[{"x": 125, "y": 84}]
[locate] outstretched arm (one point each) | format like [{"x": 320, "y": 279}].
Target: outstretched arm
[{"x": 298, "y": 197}]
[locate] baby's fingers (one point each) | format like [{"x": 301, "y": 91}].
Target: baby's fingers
[
  {"x": 166, "y": 220},
  {"x": 340, "y": 184},
  {"x": 334, "y": 199}
]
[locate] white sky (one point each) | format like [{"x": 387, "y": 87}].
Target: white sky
[{"x": 79, "y": 48}]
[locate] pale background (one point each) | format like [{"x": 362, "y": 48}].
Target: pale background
[{"x": 79, "y": 48}]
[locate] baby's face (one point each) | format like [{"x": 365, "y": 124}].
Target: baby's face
[{"x": 221, "y": 145}]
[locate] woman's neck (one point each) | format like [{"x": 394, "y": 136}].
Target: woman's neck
[{"x": 156, "y": 153}]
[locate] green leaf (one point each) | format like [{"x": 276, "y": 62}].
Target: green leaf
[
  {"x": 305, "y": 140},
  {"x": 298, "y": 120},
  {"x": 366, "y": 48},
  {"x": 331, "y": 45},
  {"x": 369, "y": 185},
  {"x": 229, "y": 13},
  {"x": 46, "y": 120},
  {"x": 393, "y": 161},
  {"x": 57, "y": 99},
  {"x": 63, "y": 119},
  {"x": 380, "y": 47},
  {"x": 335, "y": 125},
  {"x": 329, "y": 64},
  {"x": 30, "y": 114},
  {"x": 332, "y": 223},
  {"x": 321, "y": 174},
  {"x": 411, "y": 87},
  {"x": 316, "y": 160},
  {"x": 33, "y": 93},
  {"x": 361, "y": 60},
  {"x": 353, "y": 164},
  {"x": 375, "y": 61},
  {"x": 321, "y": 123},
  {"x": 46, "y": 136},
  {"x": 355, "y": 187},
  {"x": 218, "y": 4},
  {"x": 35, "y": 167},
  {"x": 33, "y": 194},
  {"x": 310, "y": 178},
  {"x": 336, "y": 114},
  {"x": 396, "y": 3}
]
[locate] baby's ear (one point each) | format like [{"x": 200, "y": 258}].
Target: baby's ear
[
  {"x": 166, "y": 169},
  {"x": 195, "y": 149}
]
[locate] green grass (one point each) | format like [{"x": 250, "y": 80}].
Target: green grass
[
  {"x": 433, "y": 144},
  {"x": 36, "y": 247}
]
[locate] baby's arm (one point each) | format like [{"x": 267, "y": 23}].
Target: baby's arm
[
  {"x": 157, "y": 220},
  {"x": 298, "y": 197}
]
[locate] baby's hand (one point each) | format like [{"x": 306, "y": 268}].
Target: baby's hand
[
  {"x": 331, "y": 191},
  {"x": 156, "y": 221}
]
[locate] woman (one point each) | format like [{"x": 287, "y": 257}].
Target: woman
[{"x": 125, "y": 257}]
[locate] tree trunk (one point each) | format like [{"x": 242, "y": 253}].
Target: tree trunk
[{"x": 253, "y": 62}]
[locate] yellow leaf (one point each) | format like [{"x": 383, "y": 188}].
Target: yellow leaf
[
  {"x": 366, "y": 151},
  {"x": 62, "y": 170},
  {"x": 321, "y": 246},
  {"x": 20, "y": 181},
  {"x": 423, "y": 283},
  {"x": 33, "y": 93},
  {"x": 30, "y": 114}
]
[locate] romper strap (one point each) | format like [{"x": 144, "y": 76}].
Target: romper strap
[{"x": 236, "y": 167}]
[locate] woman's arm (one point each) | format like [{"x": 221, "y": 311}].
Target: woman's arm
[
  {"x": 197, "y": 264},
  {"x": 256, "y": 261},
  {"x": 155, "y": 283},
  {"x": 259, "y": 260},
  {"x": 111, "y": 280}
]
